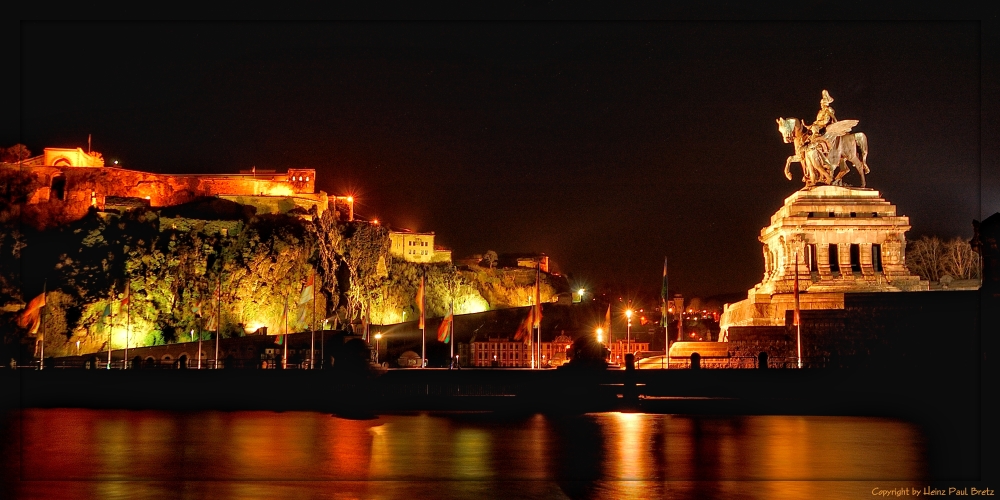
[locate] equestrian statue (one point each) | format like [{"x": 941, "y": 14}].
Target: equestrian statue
[{"x": 825, "y": 147}]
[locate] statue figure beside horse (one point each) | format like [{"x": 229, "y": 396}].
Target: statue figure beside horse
[{"x": 823, "y": 149}]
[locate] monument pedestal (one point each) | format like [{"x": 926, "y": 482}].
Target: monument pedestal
[{"x": 843, "y": 240}]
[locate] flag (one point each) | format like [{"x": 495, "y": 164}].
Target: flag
[
  {"x": 795, "y": 292},
  {"x": 420, "y": 303},
  {"x": 32, "y": 314},
  {"x": 196, "y": 309},
  {"x": 128, "y": 294},
  {"x": 664, "y": 295},
  {"x": 212, "y": 324},
  {"x": 306, "y": 298},
  {"x": 538, "y": 301},
  {"x": 523, "y": 332},
  {"x": 444, "y": 331},
  {"x": 307, "y": 291}
]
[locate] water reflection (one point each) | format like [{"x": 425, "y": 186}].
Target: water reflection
[{"x": 122, "y": 454}]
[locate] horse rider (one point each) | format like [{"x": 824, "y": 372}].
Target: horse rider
[{"x": 824, "y": 117}]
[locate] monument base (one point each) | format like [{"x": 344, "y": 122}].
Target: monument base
[{"x": 831, "y": 240}]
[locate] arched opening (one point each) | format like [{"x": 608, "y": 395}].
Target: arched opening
[
  {"x": 62, "y": 161},
  {"x": 59, "y": 187}
]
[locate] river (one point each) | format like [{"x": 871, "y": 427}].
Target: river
[{"x": 110, "y": 454}]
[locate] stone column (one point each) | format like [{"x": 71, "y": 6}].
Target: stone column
[
  {"x": 823, "y": 260},
  {"x": 867, "y": 268},
  {"x": 844, "y": 258}
]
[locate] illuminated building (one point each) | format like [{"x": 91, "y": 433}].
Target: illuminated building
[
  {"x": 619, "y": 349},
  {"x": 505, "y": 353},
  {"x": 65, "y": 183},
  {"x": 417, "y": 247}
]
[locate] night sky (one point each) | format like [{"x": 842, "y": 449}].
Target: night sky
[{"x": 604, "y": 145}]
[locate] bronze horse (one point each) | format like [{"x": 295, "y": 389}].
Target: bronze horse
[{"x": 829, "y": 168}]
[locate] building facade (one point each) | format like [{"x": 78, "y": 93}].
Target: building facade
[
  {"x": 417, "y": 247},
  {"x": 505, "y": 353}
]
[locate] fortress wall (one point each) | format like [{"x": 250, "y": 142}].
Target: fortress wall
[{"x": 86, "y": 187}]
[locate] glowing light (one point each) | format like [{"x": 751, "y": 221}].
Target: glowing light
[
  {"x": 350, "y": 199},
  {"x": 375, "y": 221},
  {"x": 628, "y": 313},
  {"x": 600, "y": 335},
  {"x": 378, "y": 336}
]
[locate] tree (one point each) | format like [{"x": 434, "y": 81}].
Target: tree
[
  {"x": 932, "y": 259},
  {"x": 960, "y": 261},
  {"x": 925, "y": 257},
  {"x": 490, "y": 258},
  {"x": 15, "y": 153}
]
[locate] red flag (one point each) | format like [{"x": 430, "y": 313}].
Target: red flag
[
  {"x": 523, "y": 332},
  {"x": 420, "y": 303},
  {"x": 538, "y": 301},
  {"x": 32, "y": 314},
  {"x": 128, "y": 295},
  {"x": 444, "y": 331}
]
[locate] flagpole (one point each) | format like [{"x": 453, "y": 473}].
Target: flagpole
[
  {"x": 128, "y": 320},
  {"x": 451, "y": 333},
  {"x": 41, "y": 362},
  {"x": 538, "y": 323},
  {"x": 218, "y": 317},
  {"x": 284, "y": 337},
  {"x": 423, "y": 327},
  {"x": 312, "y": 328},
  {"x": 665, "y": 361},
  {"x": 108, "y": 326},
  {"x": 798, "y": 323}
]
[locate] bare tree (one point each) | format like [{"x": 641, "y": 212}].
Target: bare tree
[
  {"x": 925, "y": 257},
  {"x": 959, "y": 259}
]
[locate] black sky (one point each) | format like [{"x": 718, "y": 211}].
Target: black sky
[{"x": 604, "y": 145}]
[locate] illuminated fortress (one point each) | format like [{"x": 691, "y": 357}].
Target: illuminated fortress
[{"x": 65, "y": 183}]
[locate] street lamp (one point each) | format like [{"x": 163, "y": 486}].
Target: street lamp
[
  {"x": 628, "y": 330},
  {"x": 600, "y": 335},
  {"x": 378, "y": 337},
  {"x": 581, "y": 291}
]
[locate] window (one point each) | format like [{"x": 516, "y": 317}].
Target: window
[
  {"x": 812, "y": 258},
  {"x": 877, "y": 257},
  {"x": 834, "y": 259},
  {"x": 856, "y": 258},
  {"x": 59, "y": 187}
]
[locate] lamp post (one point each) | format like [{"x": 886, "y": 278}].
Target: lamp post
[
  {"x": 378, "y": 337},
  {"x": 600, "y": 335},
  {"x": 350, "y": 206},
  {"x": 628, "y": 330}
]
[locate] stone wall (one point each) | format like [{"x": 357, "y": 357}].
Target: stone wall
[
  {"x": 933, "y": 329},
  {"x": 61, "y": 194}
]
